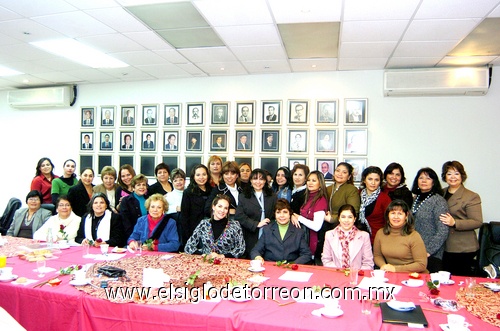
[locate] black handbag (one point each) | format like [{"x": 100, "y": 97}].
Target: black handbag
[{"x": 111, "y": 271}]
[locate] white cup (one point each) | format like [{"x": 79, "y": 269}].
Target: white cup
[
  {"x": 256, "y": 264},
  {"x": 331, "y": 305},
  {"x": 436, "y": 277},
  {"x": 444, "y": 276},
  {"x": 104, "y": 248},
  {"x": 456, "y": 322},
  {"x": 6, "y": 272},
  {"x": 80, "y": 275},
  {"x": 414, "y": 282},
  {"x": 378, "y": 274}
]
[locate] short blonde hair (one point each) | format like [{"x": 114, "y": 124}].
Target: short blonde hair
[
  {"x": 108, "y": 170},
  {"x": 157, "y": 197}
]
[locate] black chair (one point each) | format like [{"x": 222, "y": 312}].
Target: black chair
[
  {"x": 8, "y": 215},
  {"x": 489, "y": 241}
]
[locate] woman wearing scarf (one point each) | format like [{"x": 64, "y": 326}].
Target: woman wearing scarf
[
  {"x": 155, "y": 226},
  {"x": 346, "y": 246},
  {"x": 373, "y": 201},
  {"x": 100, "y": 225}
]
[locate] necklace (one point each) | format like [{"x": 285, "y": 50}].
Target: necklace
[
  {"x": 27, "y": 219},
  {"x": 416, "y": 205}
]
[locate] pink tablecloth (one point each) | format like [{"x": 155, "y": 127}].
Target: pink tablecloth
[{"x": 66, "y": 308}]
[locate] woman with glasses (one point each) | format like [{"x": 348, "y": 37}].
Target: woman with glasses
[
  {"x": 64, "y": 225},
  {"x": 28, "y": 220}
]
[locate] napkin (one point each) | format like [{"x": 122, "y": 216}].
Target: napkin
[
  {"x": 155, "y": 278},
  {"x": 296, "y": 276},
  {"x": 28, "y": 281},
  {"x": 258, "y": 279}
]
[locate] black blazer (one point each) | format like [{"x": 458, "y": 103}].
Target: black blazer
[
  {"x": 130, "y": 211},
  {"x": 192, "y": 211},
  {"x": 79, "y": 198},
  {"x": 248, "y": 213},
  {"x": 221, "y": 189},
  {"x": 116, "y": 237},
  {"x": 293, "y": 248}
]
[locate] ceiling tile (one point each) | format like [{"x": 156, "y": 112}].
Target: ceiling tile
[
  {"x": 192, "y": 69},
  {"x": 214, "y": 68},
  {"x": 127, "y": 73},
  {"x": 484, "y": 40},
  {"x": 433, "y": 30},
  {"x": 139, "y": 58},
  {"x": 312, "y": 65},
  {"x": 412, "y": 62},
  {"x": 118, "y": 19},
  {"x": 366, "y": 64},
  {"x": 249, "y": 35},
  {"x": 28, "y": 31},
  {"x": 27, "y": 67},
  {"x": 7, "y": 15},
  {"x": 209, "y": 54},
  {"x": 259, "y": 53},
  {"x": 267, "y": 67},
  {"x": 92, "y": 4},
  {"x": 111, "y": 43},
  {"x": 29, "y": 8},
  {"x": 169, "y": 15},
  {"x": 20, "y": 80},
  {"x": 190, "y": 38},
  {"x": 231, "y": 12},
  {"x": 149, "y": 40},
  {"x": 424, "y": 48},
  {"x": 172, "y": 56},
  {"x": 367, "y": 31},
  {"x": 454, "y": 8},
  {"x": 299, "y": 11},
  {"x": 163, "y": 71},
  {"x": 466, "y": 60},
  {"x": 58, "y": 77},
  {"x": 495, "y": 12},
  {"x": 25, "y": 52},
  {"x": 89, "y": 74},
  {"x": 310, "y": 40},
  {"x": 74, "y": 24},
  {"x": 365, "y": 50},
  {"x": 369, "y": 10},
  {"x": 60, "y": 64}
]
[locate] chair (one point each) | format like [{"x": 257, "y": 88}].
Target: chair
[
  {"x": 489, "y": 241},
  {"x": 8, "y": 215}
]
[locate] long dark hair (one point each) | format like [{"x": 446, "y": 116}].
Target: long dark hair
[
  {"x": 351, "y": 208},
  {"x": 350, "y": 169},
  {"x": 288, "y": 176},
  {"x": 193, "y": 186},
  {"x": 91, "y": 202},
  {"x": 39, "y": 165},
  {"x": 436, "y": 185},
  {"x": 321, "y": 191},
  {"x": 393, "y": 166},
  {"x": 399, "y": 205},
  {"x": 256, "y": 173}
]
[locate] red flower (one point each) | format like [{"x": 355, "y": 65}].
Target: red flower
[
  {"x": 99, "y": 240},
  {"x": 61, "y": 227},
  {"x": 434, "y": 291},
  {"x": 216, "y": 261},
  {"x": 498, "y": 316},
  {"x": 295, "y": 266},
  {"x": 361, "y": 273}
]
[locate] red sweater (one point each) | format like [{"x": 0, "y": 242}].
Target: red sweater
[
  {"x": 376, "y": 218},
  {"x": 41, "y": 184}
]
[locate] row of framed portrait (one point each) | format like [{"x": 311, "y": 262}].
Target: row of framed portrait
[
  {"x": 246, "y": 112},
  {"x": 295, "y": 141},
  {"x": 147, "y": 163}
]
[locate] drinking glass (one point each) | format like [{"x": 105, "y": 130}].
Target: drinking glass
[
  {"x": 353, "y": 275},
  {"x": 470, "y": 283},
  {"x": 85, "y": 248},
  {"x": 366, "y": 305},
  {"x": 40, "y": 266},
  {"x": 138, "y": 251},
  {"x": 104, "y": 249}
]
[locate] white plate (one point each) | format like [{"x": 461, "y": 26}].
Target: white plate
[
  {"x": 79, "y": 282},
  {"x": 401, "y": 306},
  {"x": 8, "y": 279},
  {"x": 333, "y": 314},
  {"x": 413, "y": 282},
  {"x": 448, "y": 282},
  {"x": 64, "y": 246},
  {"x": 495, "y": 287},
  {"x": 119, "y": 250},
  {"x": 256, "y": 269}
]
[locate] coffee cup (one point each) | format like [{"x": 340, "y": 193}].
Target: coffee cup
[
  {"x": 378, "y": 274},
  {"x": 456, "y": 322},
  {"x": 256, "y": 264},
  {"x": 6, "y": 272},
  {"x": 444, "y": 276},
  {"x": 331, "y": 305},
  {"x": 80, "y": 275}
]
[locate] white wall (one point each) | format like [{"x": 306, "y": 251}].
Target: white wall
[{"x": 416, "y": 132}]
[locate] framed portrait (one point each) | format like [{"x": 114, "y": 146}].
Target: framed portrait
[
  {"x": 171, "y": 140},
  {"x": 88, "y": 116},
  {"x": 148, "y": 164},
  {"x": 191, "y": 162},
  {"x": 103, "y": 161},
  {"x": 270, "y": 141},
  {"x": 87, "y": 141},
  {"x": 148, "y": 141},
  {"x": 150, "y": 115},
  {"x": 86, "y": 161},
  {"x": 127, "y": 141},
  {"x": 128, "y": 115},
  {"x": 356, "y": 111},
  {"x": 245, "y": 112},
  {"x": 356, "y": 141},
  {"x": 327, "y": 167},
  {"x": 220, "y": 112},
  {"x": 126, "y": 159},
  {"x": 271, "y": 112},
  {"x": 193, "y": 142},
  {"x": 241, "y": 160},
  {"x": 108, "y": 116},
  {"x": 297, "y": 111},
  {"x": 195, "y": 113},
  {"x": 326, "y": 141},
  {"x": 326, "y": 112},
  {"x": 218, "y": 141},
  {"x": 106, "y": 140},
  {"x": 171, "y": 161},
  {"x": 244, "y": 141},
  {"x": 297, "y": 141},
  {"x": 359, "y": 165},
  {"x": 270, "y": 164},
  {"x": 172, "y": 114},
  {"x": 293, "y": 161}
]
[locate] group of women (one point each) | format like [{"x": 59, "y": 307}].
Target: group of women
[{"x": 234, "y": 211}]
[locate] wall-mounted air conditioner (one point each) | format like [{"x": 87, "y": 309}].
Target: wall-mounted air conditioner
[
  {"x": 57, "y": 96},
  {"x": 436, "y": 82}
]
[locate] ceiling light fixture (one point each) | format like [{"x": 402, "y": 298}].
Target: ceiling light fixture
[
  {"x": 313, "y": 66},
  {"x": 4, "y": 71},
  {"x": 78, "y": 52}
]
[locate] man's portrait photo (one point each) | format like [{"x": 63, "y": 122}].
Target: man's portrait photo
[
  {"x": 326, "y": 141},
  {"x": 88, "y": 116},
  {"x": 171, "y": 141},
  {"x": 128, "y": 116},
  {"x": 193, "y": 141},
  {"x": 218, "y": 141},
  {"x": 326, "y": 112},
  {"x": 271, "y": 111},
  {"x": 270, "y": 142},
  {"x": 297, "y": 141},
  {"x": 87, "y": 141},
  {"x": 107, "y": 116},
  {"x": 244, "y": 141},
  {"x": 106, "y": 141},
  {"x": 327, "y": 167},
  {"x": 297, "y": 112},
  {"x": 244, "y": 113},
  {"x": 195, "y": 113},
  {"x": 219, "y": 113},
  {"x": 356, "y": 141},
  {"x": 148, "y": 140},
  {"x": 293, "y": 162},
  {"x": 355, "y": 111},
  {"x": 172, "y": 114},
  {"x": 149, "y": 115},
  {"x": 127, "y": 141}
]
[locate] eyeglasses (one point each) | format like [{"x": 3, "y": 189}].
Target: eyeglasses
[
  {"x": 34, "y": 199},
  {"x": 65, "y": 205}
]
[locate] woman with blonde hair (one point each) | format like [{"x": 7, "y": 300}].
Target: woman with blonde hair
[{"x": 214, "y": 165}]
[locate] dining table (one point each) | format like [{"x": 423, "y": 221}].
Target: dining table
[{"x": 37, "y": 305}]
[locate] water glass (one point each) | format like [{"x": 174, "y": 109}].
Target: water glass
[
  {"x": 40, "y": 266},
  {"x": 366, "y": 306},
  {"x": 85, "y": 248},
  {"x": 104, "y": 249},
  {"x": 138, "y": 250},
  {"x": 353, "y": 276},
  {"x": 470, "y": 283}
]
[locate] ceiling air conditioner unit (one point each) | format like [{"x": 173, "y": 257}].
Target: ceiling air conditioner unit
[
  {"x": 436, "y": 82},
  {"x": 57, "y": 96}
]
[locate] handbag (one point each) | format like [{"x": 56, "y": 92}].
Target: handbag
[{"x": 111, "y": 271}]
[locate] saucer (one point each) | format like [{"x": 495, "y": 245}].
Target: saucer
[
  {"x": 256, "y": 269},
  {"x": 8, "y": 279},
  {"x": 413, "y": 282},
  {"x": 331, "y": 314},
  {"x": 79, "y": 282},
  {"x": 384, "y": 280},
  {"x": 64, "y": 246},
  {"x": 445, "y": 327},
  {"x": 118, "y": 250},
  {"x": 448, "y": 282},
  {"x": 400, "y": 305}
]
